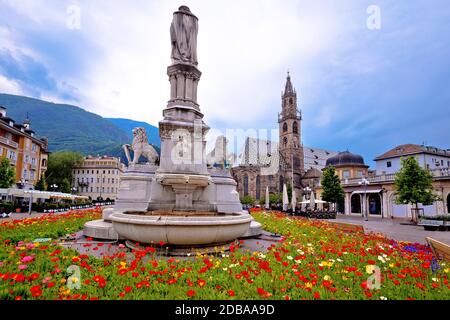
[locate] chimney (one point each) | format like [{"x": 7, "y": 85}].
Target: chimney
[
  {"x": 26, "y": 124},
  {"x": 2, "y": 111}
]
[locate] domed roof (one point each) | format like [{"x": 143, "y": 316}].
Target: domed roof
[{"x": 345, "y": 158}]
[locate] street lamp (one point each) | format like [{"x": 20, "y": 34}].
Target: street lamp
[
  {"x": 364, "y": 182},
  {"x": 54, "y": 187}
]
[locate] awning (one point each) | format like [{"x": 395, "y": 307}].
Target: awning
[{"x": 367, "y": 191}]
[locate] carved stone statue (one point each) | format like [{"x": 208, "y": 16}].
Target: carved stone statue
[
  {"x": 183, "y": 35},
  {"x": 141, "y": 147},
  {"x": 219, "y": 156}
]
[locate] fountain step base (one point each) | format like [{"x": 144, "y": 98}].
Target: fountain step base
[
  {"x": 100, "y": 229},
  {"x": 185, "y": 251},
  {"x": 254, "y": 231}
]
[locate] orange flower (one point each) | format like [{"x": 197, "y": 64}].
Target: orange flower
[{"x": 201, "y": 283}]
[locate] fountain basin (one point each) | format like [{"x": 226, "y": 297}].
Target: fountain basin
[{"x": 181, "y": 231}]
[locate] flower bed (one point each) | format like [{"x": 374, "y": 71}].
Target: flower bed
[{"x": 312, "y": 261}]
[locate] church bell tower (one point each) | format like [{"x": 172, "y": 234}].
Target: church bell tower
[{"x": 290, "y": 145}]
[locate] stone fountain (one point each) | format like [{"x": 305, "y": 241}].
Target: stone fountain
[{"x": 175, "y": 198}]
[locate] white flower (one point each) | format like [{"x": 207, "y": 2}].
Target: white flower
[
  {"x": 435, "y": 279},
  {"x": 383, "y": 298},
  {"x": 339, "y": 260},
  {"x": 381, "y": 259},
  {"x": 309, "y": 245},
  {"x": 224, "y": 269},
  {"x": 290, "y": 257}
]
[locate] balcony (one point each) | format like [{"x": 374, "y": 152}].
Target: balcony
[
  {"x": 9, "y": 142},
  {"x": 388, "y": 178}
]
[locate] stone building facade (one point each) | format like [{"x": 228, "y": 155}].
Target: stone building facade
[
  {"x": 380, "y": 192},
  {"x": 27, "y": 153},
  {"x": 98, "y": 177},
  {"x": 271, "y": 164}
]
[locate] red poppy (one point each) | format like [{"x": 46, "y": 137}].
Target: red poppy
[
  {"x": 316, "y": 295},
  {"x": 190, "y": 293},
  {"x": 50, "y": 285},
  {"x": 231, "y": 293},
  {"x": 128, "y": 289},
  {"x": 36, "y": 291}
]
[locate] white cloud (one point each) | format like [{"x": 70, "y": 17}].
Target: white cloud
[{"x": 10, "y": 86}]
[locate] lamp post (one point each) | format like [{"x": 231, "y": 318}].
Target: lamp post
[
  {"x": 54, "y": 187},
  {"x": 364, "y": 182},
  {"x": 307, "y": 190}
]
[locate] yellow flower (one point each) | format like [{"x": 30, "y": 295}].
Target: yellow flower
[
  {"x": 327, "y": 278},
  {"x": 370, "y": 269},
  {"x": 74, "y": 279},
  {"x": 309, "y": 285},
  {"x": 123, "y": 264},
  {"x": 446, "y": 270},
  {"x": 344, "y": 278},
  {"x": 63, "y": 280},
  {"x": 391, "y": 265}
]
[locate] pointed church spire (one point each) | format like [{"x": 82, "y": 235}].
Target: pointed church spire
[{"x": 289, "y": 89}]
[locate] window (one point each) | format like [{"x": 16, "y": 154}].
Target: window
[
  {"x": 32, "y": 175},
  {"x": 359, "y": 174},
  {"x": 25, "y": 174},
  {"x": 92, "y": 189},
  {"x": 285, "y": 141},
  {"x": 258, "y": 187},
  {"x": 346, "y": 174},
  {"x": 34, "y": 147},
  {"x": 112, "y": 180},
  {"x": 389, "y": 164},
  {"x": 285, "y": 127},
  {"x": 27, "y": 159},
  {"x": 245, "y": 185},
  {"x": 295, "y": 127},
  {"x": 33, "y": 161},
  {"x": 92, "y": 180}
]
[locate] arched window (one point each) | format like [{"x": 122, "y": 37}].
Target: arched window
[
  {"x": 295, "y": 127},
  {"x": 285, "y": 127},
  {"x": 258, "y": 187},
  {"x": 291, "y": 101},
  {"x": 245, "y": 185}
]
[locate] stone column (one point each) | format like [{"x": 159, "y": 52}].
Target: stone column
[
  {"x": 180, "y": 86},
  {"x": 384, "y": 205},
  {"x": 348, "y": 203},
  {"x": 189, "y": 88},
  {"x": 173, "y": 87}
]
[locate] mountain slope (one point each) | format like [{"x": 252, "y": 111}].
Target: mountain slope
[
  {"x": 128, "y": 125},
  {"x": 66, "y": 127}
]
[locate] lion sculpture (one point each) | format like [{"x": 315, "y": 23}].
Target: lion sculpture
[{"x": 141, "y": 147}]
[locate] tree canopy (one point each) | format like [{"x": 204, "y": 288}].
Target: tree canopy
[
  {"x": 60, "y": 166},
  {"x": 413, "y": 184},
  {"x": 331, "y": 185},
  {"x": 7, "y": 173}
]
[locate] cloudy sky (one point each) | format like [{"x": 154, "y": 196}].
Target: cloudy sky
[{"x": 365, "y": 85}]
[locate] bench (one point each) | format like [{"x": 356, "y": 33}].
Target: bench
[
  {"x": 348, "y": 227},
  {"x": 440, "y": 250}
]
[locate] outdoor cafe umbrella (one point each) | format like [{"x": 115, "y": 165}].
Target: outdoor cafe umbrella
[
  {"x": 294, "y": 200},
  {"x": 312, "y": 201},
  {"x": 285, "y": 198},
  {"x": 304, "y": 202},
  {"x": 267, "y": 199}
]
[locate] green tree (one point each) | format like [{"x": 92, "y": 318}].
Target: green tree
[
  {"x": 331, "y": 185},
  {"x": 413, "y": 185},
  {"x": 60, "y": 166},
  {"x": 275, "y": 198},
  {"x": 41, "y": 185},
  {"x": 248, "y": 200},
  {"x": 65, "y": 186},
  {"x": 289, "y": 192},
  {"x": 7, "y": 173}
]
